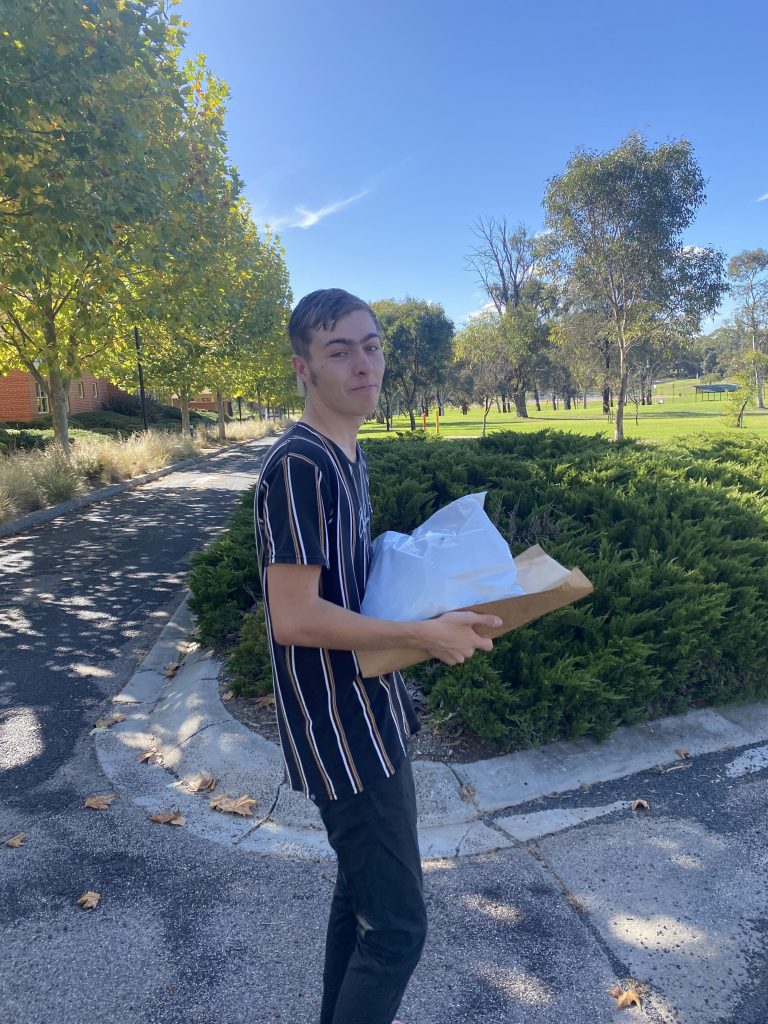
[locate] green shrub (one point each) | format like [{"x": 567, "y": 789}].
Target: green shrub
[
  {"x": 249, "y": 667},
  {"x": 20, "y": 440},
  {"x": 674, "y": 538},
  {"x": 472, "y": 695},
  {"x": 224, "y": 578}
]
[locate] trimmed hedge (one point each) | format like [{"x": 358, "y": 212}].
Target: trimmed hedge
[{"x": 674, "y": 538}]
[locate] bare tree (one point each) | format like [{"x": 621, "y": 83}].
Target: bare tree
[
  {"x": 504, "y": 260},
  {"x": 506, "y": 263}
]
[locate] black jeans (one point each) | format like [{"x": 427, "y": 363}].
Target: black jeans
[{"x": 378, "y": 921}]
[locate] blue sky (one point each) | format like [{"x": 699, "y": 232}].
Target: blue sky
[{"x": 373, "y": 135}]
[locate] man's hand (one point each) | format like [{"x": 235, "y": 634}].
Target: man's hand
[
  {"x": 452, "y": 638},
  {"x": 302, "y": 618}
]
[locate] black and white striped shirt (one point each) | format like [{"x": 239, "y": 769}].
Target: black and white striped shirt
[{"x": 339, "y": 731}]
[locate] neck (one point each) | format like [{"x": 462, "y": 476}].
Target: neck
[{"x": 342, "y": 431}]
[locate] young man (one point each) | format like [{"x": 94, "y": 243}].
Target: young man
[{"x": 343, "y": 736}]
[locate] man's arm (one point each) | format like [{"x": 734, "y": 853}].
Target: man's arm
[{"x": 302, "y": 618}]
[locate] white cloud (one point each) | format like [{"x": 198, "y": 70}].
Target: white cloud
[
  {"x": 762, "y": 198},
  {"x": 308, "y": 218},
  {"x": 489, "y": 307}
]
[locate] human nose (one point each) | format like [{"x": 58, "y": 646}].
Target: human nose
[{"x": 363, "y": 362}]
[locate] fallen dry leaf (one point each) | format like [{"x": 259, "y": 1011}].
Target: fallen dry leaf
[
  {"x": 625, "y": 999},
  {"x": 89, "y": 900},
  {"x": 99, "y": 803},
  {"x": 16, "y": 841},
  {"x": 170, "y": 670},
  {"x": 640, "y": 805},
  {"x": 150, "y": 756},
  {"x": 267, "y": 701},
  {"x": 107, "y": 723},
  {"x": 202, "y": 783},
  {"x": 233, "y": 805},
  {"x": 682, "y": 754},
  {"x": 168, "y": 818},
  {"x": 227, "y": 695}
]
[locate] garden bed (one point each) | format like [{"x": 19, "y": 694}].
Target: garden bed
[{"x": 674, "y": 538}]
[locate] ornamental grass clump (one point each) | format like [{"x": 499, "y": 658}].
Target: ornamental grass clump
[
  {"x": 33, "y": 479},
  {"x": 674, "y": 538}
]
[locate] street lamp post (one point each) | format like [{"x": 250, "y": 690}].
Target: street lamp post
[{"x": 137, "y": 340}]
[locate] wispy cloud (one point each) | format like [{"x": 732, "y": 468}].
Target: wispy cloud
[
  {"x": 311, "y": 217},
  {"x": 761, "y": 199},
  {"x": 302, "y": 217}
]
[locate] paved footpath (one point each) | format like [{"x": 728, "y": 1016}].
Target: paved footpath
[{"x": 544, "y": 888}]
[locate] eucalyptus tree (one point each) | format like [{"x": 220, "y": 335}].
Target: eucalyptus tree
[
  {"x": 417, "y": 340},
  {"x": 482, "y": 359},
  {"x": 617, "y": 221},
  {"x": 89, "y": 103},
  {"x": 749, "y": 272}
]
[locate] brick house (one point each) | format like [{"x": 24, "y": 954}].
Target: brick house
[
  {"x": 22, "y": 400},
  {"x": 205, "y": 400}
]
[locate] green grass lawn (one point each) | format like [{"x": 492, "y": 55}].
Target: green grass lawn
[{"x": 676, "y": 411}]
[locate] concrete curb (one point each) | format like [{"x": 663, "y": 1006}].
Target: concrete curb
[
  {"x": 463, "y": 809},
  {"x": 47, "y": 515}
]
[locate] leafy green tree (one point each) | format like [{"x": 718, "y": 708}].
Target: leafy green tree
[
  {"x": 214, "y": 298},
  {"x": 417, "y": 340},
  {"x": 89, "y": 106},
  {"x": 749, "y": 272},
  {"x": 481, "y": 354},
  {"x": 616, "y": 222},
  {"x": 751, "y": 370}
]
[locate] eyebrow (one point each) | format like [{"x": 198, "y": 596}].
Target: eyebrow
[{"x": 351, "y": 341}]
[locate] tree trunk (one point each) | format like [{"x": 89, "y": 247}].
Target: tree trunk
[
  {"x": 520, "y": 408},
  {"x": 567, "y": 401},
  {"x": 220, "y": 415},
  {"x": 184, "y": 406},
  {"x": 412, "y": 417},
  {"x": 554, "y": 401},
  {"x": 618, "y": 434},
  {"x": 59, "y": 386},
  {"x": 486, "y": 409},
  {"x": 536, "y": 396}
]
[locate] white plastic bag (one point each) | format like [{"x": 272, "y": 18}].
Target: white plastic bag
[{"x": 455, "y": 559}]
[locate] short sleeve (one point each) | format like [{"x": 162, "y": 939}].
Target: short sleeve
[{"x": 293, "y": 514}]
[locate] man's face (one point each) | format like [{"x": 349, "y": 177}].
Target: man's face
[{"x": 345, "y": 366}]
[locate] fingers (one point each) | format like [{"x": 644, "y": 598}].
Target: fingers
[
  {"x": 488, "y": 620},
  {"x": 476, "y": 619}
]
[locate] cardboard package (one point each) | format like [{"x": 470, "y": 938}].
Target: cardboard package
[{"x": 546, "y": 585}]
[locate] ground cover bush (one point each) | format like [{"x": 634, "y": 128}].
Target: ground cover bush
[{"x": 674, "y": 538}]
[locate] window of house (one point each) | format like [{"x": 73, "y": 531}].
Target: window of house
[
  {"x": 95, "y": 387},
  {"x": 42, "y": 398},
  {"x": 80, "y": 390}
]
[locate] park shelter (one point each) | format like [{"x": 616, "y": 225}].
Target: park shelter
[{"x": 713, "y": 392}]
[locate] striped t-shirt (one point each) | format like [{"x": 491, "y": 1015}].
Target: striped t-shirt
[{"x": 339, "y": 731}]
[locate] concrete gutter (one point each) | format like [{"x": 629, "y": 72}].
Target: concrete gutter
[
  {"x": 463, "y": 809},
  {"x": 47, "y": 515}
]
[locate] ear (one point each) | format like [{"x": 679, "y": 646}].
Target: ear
[{"x": 302, "y": 375}]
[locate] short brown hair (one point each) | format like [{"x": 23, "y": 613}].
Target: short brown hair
[{"x": 321, "y": 310}]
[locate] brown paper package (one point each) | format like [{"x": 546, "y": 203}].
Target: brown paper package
[{"x": 546, "y": 585}]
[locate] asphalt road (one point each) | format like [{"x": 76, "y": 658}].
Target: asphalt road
[{"x": 190, "y": 932}]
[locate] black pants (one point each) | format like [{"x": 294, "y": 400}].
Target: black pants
[{"x": 378, "y": 922}]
